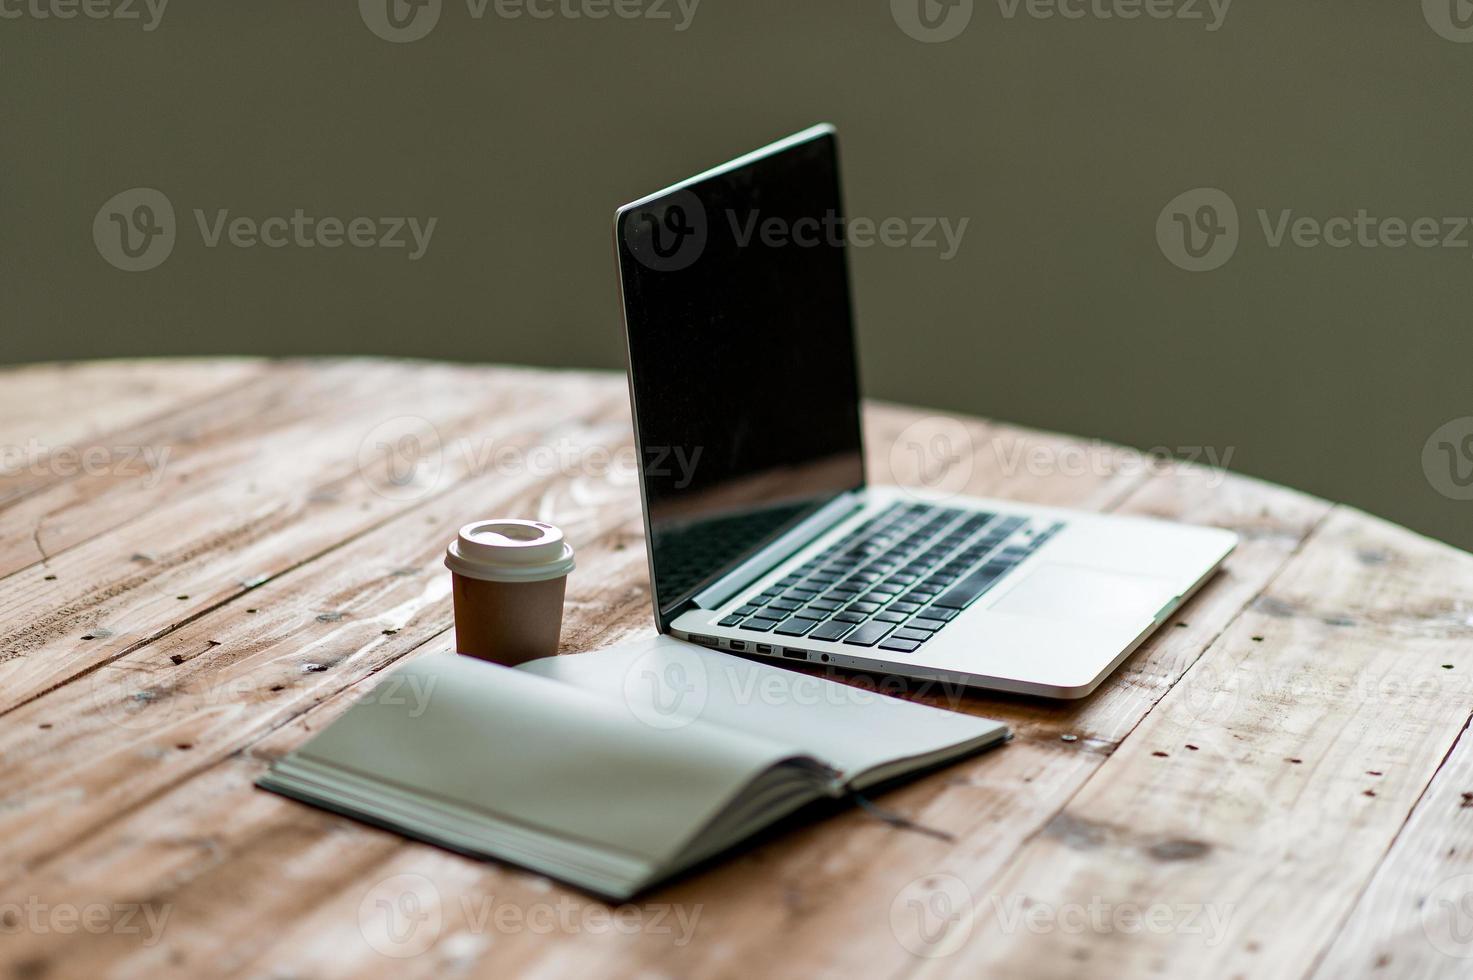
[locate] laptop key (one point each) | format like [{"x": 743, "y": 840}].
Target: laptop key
[
  {"x": 787, "y": 605},
  {"x": 832, "y": 630},
  {"x": 965, "y": 592},
  {"x": 759, "y": 624},
  {"x": 795, "y": 627},
  {"x": 919, "y": 636},
  {"x": 905, "y": 607},
  {"x": 864, "y": 607},
  {"x": 900, "y": 646},
  {"x": 945, "y": 615},
  {"x": 849, "y": 616},
  {"x": 731, "y": 620},
  {"x": 825, "y": 605},
  {"x": 891, "y": 616},
  {"x": 929, "y": 625},
  {"x": 806, "y": 613},
  {"x": 868, "y": 635},
  {"x": 746, "y": 611}
]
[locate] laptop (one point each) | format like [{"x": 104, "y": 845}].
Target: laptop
[{"x": 763, "y": 536}]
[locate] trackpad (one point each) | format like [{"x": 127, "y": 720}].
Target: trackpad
[{"x": 1076, "y": 592}]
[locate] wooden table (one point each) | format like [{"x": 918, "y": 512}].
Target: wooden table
[{"x": 202, "y": 562}]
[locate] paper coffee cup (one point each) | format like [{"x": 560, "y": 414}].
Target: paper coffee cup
[{"x": 508, "y": 577}]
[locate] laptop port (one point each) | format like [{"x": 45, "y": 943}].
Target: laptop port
[
  {"x": 764, "y": 648},
  {"x": 705, "y": 641},
  {"x": 737, "y": 644},
  {"x": 796, "y": 654}
]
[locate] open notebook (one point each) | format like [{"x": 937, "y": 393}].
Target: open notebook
[{"x": 615, "y": 769}]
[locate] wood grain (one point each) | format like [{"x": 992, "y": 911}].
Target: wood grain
[
  {"x": 76, "y": 403},
  {"x": 129, "y": 761},
  {"x": 53, "y": 415},
  {"x": 294, "y": 501},
  {"x": 1416, "y": 919},
  {"x": 183, "y": 453}
]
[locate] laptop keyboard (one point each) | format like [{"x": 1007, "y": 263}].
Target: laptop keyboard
[
  {"x": 688, "y": 555},
  {"x": 897, "y": 579}
]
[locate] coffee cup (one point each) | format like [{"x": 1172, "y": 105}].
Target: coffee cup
[{"x": 508, "y": 577}]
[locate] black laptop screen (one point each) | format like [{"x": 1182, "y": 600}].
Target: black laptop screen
[{"x": 741, "y": 359}]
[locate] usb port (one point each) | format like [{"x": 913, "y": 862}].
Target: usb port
[
  {"x": 737, "y": 644},
  {"x": 764, "y": 648},
  {"x": 796, "y": 654}
]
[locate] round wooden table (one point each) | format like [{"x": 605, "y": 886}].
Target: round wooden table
[{"x": 202, "y": 562}]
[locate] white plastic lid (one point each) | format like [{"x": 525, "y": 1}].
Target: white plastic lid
[{"x": 507, "y": 549}]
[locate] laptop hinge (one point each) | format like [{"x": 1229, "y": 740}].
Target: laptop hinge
[{"x": 778, "y": 551}]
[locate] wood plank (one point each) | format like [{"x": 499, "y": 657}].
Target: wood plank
[
  {"x": 829, "y": 855},
  {"x": 116, "y": 592},
  {"x": 1415, "y": 920},
  {"x": 51, "y": 414},
  {"x": 1262, "y": 790},
  {"x": 187, "y": 452}
]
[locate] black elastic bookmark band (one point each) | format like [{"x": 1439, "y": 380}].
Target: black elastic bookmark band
[{"x": 898, "y": 821}]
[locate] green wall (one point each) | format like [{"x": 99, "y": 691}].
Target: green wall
[{"x": 1060, "y": 139}]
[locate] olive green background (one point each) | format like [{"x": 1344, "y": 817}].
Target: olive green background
[{"x": 1062, "y": 140}]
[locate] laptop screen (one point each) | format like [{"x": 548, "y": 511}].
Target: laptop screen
[{"x": 741, "y": 358}]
